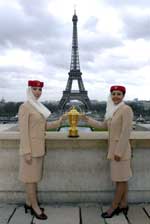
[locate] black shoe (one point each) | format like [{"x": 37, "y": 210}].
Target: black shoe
[
  {"x": 41, "y": 216},
  {"x": 28, "y": 207},
  {"x": 124, "y": 210},
  {"x": 106, "y": 215},
  {"x": 42, "y": 209}
]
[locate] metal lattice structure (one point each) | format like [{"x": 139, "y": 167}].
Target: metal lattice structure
[{"x": 75, "y": 74}]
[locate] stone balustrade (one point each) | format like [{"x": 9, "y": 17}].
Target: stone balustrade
[{"x": 75, "y": 169}]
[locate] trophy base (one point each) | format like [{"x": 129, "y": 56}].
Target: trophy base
[
  {"x": 73, "y": 133},
  {"x": 71, "y": 136}
]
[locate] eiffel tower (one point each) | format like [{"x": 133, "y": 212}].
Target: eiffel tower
[{"x": 75, "y": 74}]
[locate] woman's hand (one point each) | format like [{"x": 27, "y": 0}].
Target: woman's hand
[
  {"x": 83, "y": 117},
  {"x": 117, "y": 158},
  {"x": 28, "y": 158},
  {"x": 63, "y": 118}
]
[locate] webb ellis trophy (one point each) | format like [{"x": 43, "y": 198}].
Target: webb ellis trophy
[{"x": 73, "y": 115}]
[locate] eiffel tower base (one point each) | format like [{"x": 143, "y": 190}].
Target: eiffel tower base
[{"x": 76, "y": 95}]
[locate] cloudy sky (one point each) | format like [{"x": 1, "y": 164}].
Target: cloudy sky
[{"x": 36, "y": 38}]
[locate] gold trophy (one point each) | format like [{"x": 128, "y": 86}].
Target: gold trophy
[{"x": 73, "y": 115}]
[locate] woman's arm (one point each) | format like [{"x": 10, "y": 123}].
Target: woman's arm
[
  {"x": 94, "y": 123},
  {"x": 57, "y": 123},
  {"x": 53, "y": 124}
]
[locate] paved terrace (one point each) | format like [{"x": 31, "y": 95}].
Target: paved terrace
[{"x": 14, "y": 214}]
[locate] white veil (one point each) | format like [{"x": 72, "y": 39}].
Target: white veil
[
  {"x": 36, "y": 104},
  {"x": 111, "y": 107}
]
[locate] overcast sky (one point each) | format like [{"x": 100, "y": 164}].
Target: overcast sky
[{"x": 114, "y": 46}]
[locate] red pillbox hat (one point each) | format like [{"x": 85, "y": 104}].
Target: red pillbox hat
[
  {"x": 35, "y": 83},
  {"x": 119, "y": 88}
]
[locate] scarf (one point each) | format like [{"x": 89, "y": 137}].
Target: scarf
[
  {"x": 111, "y": 108},
  {"x": 36, "y": 104}
]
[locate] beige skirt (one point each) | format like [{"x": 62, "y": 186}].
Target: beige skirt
[
  {"x": 121, "y": 170},
  {"x": 31, "y": 173}
]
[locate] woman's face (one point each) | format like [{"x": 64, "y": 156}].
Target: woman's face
[
  {"x": 37, "y": 91},
  {"x": 117, "y": 96}
]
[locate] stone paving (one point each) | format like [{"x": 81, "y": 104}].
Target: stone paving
[{"x": 14, "y": 214}]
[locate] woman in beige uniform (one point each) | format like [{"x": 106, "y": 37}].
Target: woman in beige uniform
[
  {"x": 32, "y": 124},
  {"x": 118, "y": 120}
]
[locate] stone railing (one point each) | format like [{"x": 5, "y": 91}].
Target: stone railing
[{"x": 75, "y": 169}]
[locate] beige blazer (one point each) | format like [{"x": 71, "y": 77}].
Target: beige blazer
[
  {"x": 32, "y": 130},
  {"x": 119, "y": 128}
]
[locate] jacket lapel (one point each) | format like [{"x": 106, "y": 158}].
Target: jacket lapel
[{"x": 119, "y": 108}]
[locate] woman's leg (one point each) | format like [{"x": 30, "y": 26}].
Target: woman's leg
[
  {"x": 32, "y": 196},
  {"x": 28, "y": 202},
  {"x": 118, "y": 194},
  {"x": 123, "y": 203},
  {"x": 35, "y": 188},
  {"x": 117, "y": 198}
]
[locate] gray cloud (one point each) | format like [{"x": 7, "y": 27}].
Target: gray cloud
[
  {"x": 31, "y": 27},
  {"x": 122, "y": 4},
  {"x": 115, "y": 64},
  {"x": 91, "y": 24},
  {"x": 27, "y": 31},
  {"x": 17, "y": 69},
  {"x": 99, "y": 42},
  {"x": 96, "y": 45},
  {"x": 122, "y": 64},
  {"x": 136, "y": 26},
  {"x": 37, "y": 8},
  {"x": 35, "y": 30}
]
